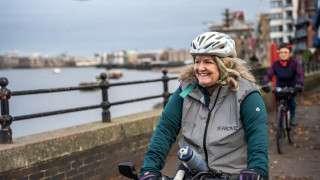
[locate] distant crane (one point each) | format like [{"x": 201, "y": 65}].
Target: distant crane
[{"x": 227, "y": 18}]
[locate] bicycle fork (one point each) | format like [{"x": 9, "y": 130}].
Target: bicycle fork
[{"x": 281, "y": 121}]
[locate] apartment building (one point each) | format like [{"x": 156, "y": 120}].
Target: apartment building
[
  {"x": 302, "y": 42},
  {"x": 316, "y": 27},
  {"x": 262, "y": 38},
  {"x": 283, "y": 16}
]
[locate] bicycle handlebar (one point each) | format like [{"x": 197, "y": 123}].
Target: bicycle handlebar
[
  {"x": 201, "y": 178},
  {"x": 127, "y": 169},
  {"x": 284, "y": 92}
]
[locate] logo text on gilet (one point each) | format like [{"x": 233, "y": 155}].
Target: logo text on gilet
[{"x": 227, "y": 128}]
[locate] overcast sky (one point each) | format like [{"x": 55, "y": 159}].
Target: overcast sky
[{"x": 82, "y": 28}]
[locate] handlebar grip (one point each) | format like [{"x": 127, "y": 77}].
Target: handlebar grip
[{"x": 179, "y": 175}]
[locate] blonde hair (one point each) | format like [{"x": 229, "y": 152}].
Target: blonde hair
[{"x": 235, "y": 67}]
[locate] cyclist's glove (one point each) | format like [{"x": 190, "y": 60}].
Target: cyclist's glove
[
  {"x": 299, "y": 87},
  {"x": 265, "y": 87},
  {"x": 150, "y": 176},
  {"x": 250, "y": 174}
]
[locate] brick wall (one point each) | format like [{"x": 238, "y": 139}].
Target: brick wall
[
  {"x": 90, "y": 151},
  {"x": 96, "y": 163},
  {"x": 87, "y": 153}
]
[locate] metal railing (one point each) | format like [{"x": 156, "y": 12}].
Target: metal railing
[
  {"x": 5, "y": 94},
  {"x": 308, "y": 67}
]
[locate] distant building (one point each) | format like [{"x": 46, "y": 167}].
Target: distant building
[
  {"x": 316, "y": 27},
  {"x": 262, "y": 40},
  {"x": 283, "y": 16},
  {"x": 302, "y": 41},
  {"x": 24, "y": 62},
  {"x": 54, "y": 62},
  {"x": 178, "y": 55},
  {"x": 36, "y": 61},
  {"x": 131, "y": 56},
  {"x": 119, "y": 57},
  {"x": 150, "y": 55},
  {"x": 10, "y": 59},
  {"x": 86, "y": 61},
  {"x": 1, "y": 61},
  {"x": 102, "y": 56}
]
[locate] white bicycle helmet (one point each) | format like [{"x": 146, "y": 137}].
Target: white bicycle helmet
[{"x": 213, "y": 43}]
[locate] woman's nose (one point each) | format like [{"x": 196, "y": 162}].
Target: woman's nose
[{"x": 201, "y": 66}]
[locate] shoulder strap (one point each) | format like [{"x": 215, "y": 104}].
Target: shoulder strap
[{"x": 184, "y": 93}]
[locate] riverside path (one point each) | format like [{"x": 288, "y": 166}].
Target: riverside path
[{"x": 301, "y": 160}]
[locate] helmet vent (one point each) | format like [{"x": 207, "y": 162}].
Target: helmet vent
[
  {"x": 208, "y": 45},
  {"x": 194, "y": 47},
  {"x": 219, "y": 37},
  {"x": 212, "y": 44},
  {"x": 201, "y": 39},
  {"x": 221, "y": 47},
  {"x": 211, "y": 36}
]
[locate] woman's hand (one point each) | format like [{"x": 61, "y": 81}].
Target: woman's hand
[
  {"x": 150, "y": 176},
  {"x": 250, "y": 174}
]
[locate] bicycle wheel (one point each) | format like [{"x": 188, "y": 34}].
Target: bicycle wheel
[
  {"x": 280, "y": 130},
  {"x": 290, "y": 129}
]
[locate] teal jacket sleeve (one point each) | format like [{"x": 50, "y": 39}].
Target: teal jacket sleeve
[
  {"x": 165, "y": 135},
  {"x": 254, "y": 117}
]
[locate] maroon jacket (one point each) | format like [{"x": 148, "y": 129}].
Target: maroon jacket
[{"x": 285, "y": 76}]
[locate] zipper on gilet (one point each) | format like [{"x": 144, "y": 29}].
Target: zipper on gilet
[{"x": 206, "y": 129}]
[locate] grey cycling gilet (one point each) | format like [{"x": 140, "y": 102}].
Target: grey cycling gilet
[{"x": 225, "y": 142}]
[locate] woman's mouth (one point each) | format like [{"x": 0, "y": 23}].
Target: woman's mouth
[{"x": 204, "y": 74}]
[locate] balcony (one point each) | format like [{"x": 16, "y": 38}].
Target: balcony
[
  {"x": 315, "y": 41},
  {"x": 289, "y": 18},
  {"x": 288, "y": 5},
  {"x": 301, "y": 46},
  {"x": 289, "y": 31},
  {"x": 301, "y": 33}
]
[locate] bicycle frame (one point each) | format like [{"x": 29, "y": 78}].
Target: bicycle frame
[
  {"x": 282, "y": 111},
  {"x": 283, "y": 95}
]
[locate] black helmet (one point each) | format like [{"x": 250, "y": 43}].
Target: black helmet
[{"x": 285, "y": 45}]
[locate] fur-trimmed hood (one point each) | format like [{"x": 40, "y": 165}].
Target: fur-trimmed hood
[{"x": 188, "y": 74}]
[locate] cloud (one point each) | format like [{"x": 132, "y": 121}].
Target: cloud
[{"x": 109, "y": 24}]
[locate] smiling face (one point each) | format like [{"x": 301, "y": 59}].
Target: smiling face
[
  {"x": 206, "y": 70},
  {"x": 284, "y": 54}
]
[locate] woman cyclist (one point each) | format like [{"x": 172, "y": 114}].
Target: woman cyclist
[
  {"x": 288, "y": 73},
  {"x": 220, "y": 113}
]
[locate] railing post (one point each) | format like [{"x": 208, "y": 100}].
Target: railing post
[
  {"x": 104, "y": 85},
  {"x": 312, "y": 67},
  {"x": 5, "y": 118},
  {"x": 166, "y": 94}
]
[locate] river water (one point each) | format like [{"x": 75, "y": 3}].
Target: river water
[{"x": 29, "y": 79}]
